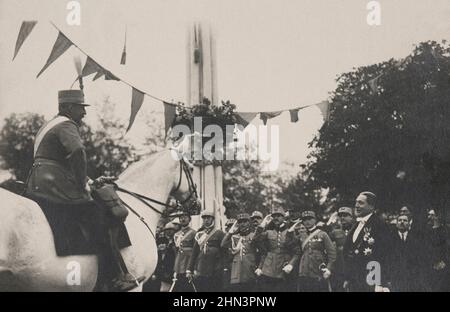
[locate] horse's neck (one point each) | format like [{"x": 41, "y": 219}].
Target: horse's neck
[{"x": 153, "y": 179}]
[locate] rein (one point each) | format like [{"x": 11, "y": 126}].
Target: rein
[{"x": 145, "y": 200}]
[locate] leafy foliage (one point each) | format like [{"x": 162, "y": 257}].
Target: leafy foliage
[{"x": 390, "y": 137}]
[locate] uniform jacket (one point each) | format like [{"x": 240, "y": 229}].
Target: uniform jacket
[
  {"x": 244, "y": 251},
  {"x": 373, "y": 243},
  {"x": 278, "y": 254},
  {"x": 59, "y": 170},
  {"x": 206, "y": 258},
  {"x": 184, "y": 243},
  {"x": 317, "y": 251}
]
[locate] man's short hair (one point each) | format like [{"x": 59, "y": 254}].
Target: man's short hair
[
  {"x": 407, "y": 216},
  {"x": 371, "y": 198}
]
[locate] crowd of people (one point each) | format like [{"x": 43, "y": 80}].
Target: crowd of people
[{"x": 351, "y": 249}]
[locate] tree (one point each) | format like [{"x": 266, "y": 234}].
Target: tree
[
  {"x": 388, "y": 132},
  {"x": 17, "y": 137}
]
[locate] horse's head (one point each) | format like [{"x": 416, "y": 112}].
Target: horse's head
[{"x": 186, "y": 190}]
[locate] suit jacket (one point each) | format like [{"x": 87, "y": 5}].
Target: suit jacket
[
  {"x": 59, "y": 170},
  {"x": 206, "y": 259},
  {"x": 409, "y": 263},
  {"x": 184, "y": 243},
  {"x": 373, "y": 243},
  {"x": 243, "y": 264}
]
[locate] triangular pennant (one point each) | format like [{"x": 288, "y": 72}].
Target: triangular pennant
[
  {"x": 25, "y": 30},
  {"x": 98, "y": 75},
  {"x": 268, "y": 115},
  {"x": 123, "y": 59},
  {"x": 110, "y": 76},
  {"x": 137, "y": 98},
  {"x": 294, "y": 114},
  {"x": 91, "y": 67},
  {"x": 245, "y": 118},
  {"x": 324, "y": 109},
  {"x": 170, "y": 111},
  {"x": 61, "y": 45}
]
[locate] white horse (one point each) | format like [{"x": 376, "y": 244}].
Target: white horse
[{"x": 28, "y": 260}]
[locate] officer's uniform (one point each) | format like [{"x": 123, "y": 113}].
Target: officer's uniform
[
  {"x": 206, "y": 259},
  {"x": 339, "y": 236},
  {"x": 244, "y": 252},
  {"x": 275, "y": 244},
  {"x": 57, "y": 182},
  {"x": 184, "y": 243},
  {"x": 318, "y": 252}
]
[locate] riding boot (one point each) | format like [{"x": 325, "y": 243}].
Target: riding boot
[{"x": 122, "y": 280}]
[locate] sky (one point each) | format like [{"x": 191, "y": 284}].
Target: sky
[{"x": 271, "y": 55}]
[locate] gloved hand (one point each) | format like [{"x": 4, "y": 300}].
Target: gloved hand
[
  {"x": 100, "y": 181},
  {"x": 326, "y": 273},
  {"x": 287, "y": 268},
  {"x": 266, "y": 221},
  {"x": 258, "y": 272},
  {"x": 189, "y": 275}
]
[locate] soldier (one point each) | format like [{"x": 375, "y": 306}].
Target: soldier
[
  {"x": 206, "y": 266},
  {"x": 58, "y": 182},
  {"x": 184, "y": 243},
  {"x": 318, "y": 256},
  {"x": 277, "y": 259},
  {"x": 243, "y": 248},
  {"x": 339, "y": 236},
  {"x": 256, "y": 218},
  {"x": 228, "y": 257},
  {"x": 166, "y": 257}
]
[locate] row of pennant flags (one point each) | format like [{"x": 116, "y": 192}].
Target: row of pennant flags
[{"x": 63, "y": 43}]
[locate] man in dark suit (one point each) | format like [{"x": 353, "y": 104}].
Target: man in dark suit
[
  {"x": 206, "y": 262},
  {"x": 408, "y": 262},
  {"x": 367, "y": 249}
]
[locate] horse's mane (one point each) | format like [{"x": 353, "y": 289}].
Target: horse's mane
[{"x": 145, "y": 162}]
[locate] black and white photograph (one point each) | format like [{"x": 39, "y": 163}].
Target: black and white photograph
[{"x": 244, "y": 148}]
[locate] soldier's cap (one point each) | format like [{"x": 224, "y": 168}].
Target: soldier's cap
[
  {"x": 243, "y": 216},
  {"x": 183, "y": 213},
  {"x": 278, "y": 211},
  {"x": 257, "y": 214},
  {"x": 71, "y": 97},
  {"x": 345, "y": 210},
  {"x": 169, "y": 226},
  {"x": 207, "y": 214},
  {"x": 308, "y": 214}
]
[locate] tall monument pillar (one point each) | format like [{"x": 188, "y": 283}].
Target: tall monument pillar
[{"x": 202, "y": 83}]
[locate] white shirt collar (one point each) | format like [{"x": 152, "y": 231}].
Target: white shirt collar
[{"x": 364, "y": 219}]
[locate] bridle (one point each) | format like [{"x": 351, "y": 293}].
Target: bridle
[{"x": 184, "y": 167}]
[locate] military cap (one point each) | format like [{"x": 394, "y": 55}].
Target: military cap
[
  {"x": 207, "y": 214},
  {"x": 243, "y": 216},
  {"x": 71, "y": 97},
  {"x": 170, "y": 226},
  {"x": 308, "y": 214},
  {"x": 346, "y": 210},
  {"x": 257, "y": 214},
  {"x": 278, "y": 210}
]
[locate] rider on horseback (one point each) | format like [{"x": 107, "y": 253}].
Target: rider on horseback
[{"x": 58, "y": 180}]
